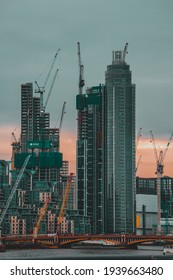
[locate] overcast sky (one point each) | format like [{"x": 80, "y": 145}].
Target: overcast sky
[{"x": 31, "y": 32}]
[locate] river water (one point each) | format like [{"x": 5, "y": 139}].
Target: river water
[{"x": 82, "y": 253}]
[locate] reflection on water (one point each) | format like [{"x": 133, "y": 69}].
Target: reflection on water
[{"x": 84, "y": 253}]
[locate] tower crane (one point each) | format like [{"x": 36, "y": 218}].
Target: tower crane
[
  {"x": 81, "y": 85},
  {"x": 81, "y": 71},
  {"x": 138, "y": 137},
  {"x": 19, "y": 177},
  {"x": 137, "y": 142},
  {"x": 125, "y": 51},
  {"x": 50, "y": 90},
  {"x": 41, "y": 90},
  {"x": 15, "y": 149},
  {"x": 42, "y": 214},
  {"x": 64, "y": 203},
  {"x": 139, "y": 160},
  {"x": 62, "y": 116},
  {"x": 159, "y": 171}
]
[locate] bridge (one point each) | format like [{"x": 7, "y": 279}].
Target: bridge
[{"x": 66, "y": 240}]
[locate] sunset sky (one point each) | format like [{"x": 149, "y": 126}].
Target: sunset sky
[{"x": 32, "y": 31}]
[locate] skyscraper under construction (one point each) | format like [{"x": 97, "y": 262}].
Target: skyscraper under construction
[
  {"x": 89, "y": 157},
  {"x": 106, "y": 150},
  {"x": 44, "y": 181}
]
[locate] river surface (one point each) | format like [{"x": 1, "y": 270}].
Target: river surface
[{"x": 83, "y": 253}]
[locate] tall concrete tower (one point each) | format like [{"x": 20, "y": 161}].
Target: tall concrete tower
[{"x": 119, "y": 146}]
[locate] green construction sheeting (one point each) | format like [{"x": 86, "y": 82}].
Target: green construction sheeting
[
  {"x": 20, "y": 158},
  {"x": 49, "y": 160},
  {"x": 45, "y": 144},
  {"x": 82, "y": 101}
]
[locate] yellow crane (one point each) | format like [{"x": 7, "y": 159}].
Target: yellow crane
[
  {"x": 64, "y": 203},
  {"x": 42, "y": 214}
]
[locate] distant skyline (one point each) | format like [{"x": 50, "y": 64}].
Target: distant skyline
[{"x": 32, "y": 31}]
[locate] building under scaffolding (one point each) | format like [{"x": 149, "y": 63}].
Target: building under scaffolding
[
  {"x": 89, "y": 157},
  {"x": 44, "y": 177}
]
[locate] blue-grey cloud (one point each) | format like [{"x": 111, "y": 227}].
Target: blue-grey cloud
[{"x": 32, "y": 31}]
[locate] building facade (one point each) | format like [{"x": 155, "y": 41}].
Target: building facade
[
  {"x": 146, "y": 205},
  {"x": 106, "y": 151},
  {"x": 119, "y": 146},
  {"x": 89, "y": 157},
  {"x": 44, "y": 178}
]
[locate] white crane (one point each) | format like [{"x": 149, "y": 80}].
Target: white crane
[
  {"x": 50, "y": 90},
  {"x": 41, "y": 90},
  {"x": 159, "y": 171},
  {"x": 81, "y": 71},
  {"x": 19, "y": 177},
  {"x": 137, "y": 142}
]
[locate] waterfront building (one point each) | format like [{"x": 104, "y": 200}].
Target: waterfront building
[
  {"x": 146, "y": 205},
  {"x": 118, "y": 104}
]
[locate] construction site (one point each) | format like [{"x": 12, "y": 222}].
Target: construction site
[
  {"x": 37, "y": 193},
  {"x": 41, "y": 203}
]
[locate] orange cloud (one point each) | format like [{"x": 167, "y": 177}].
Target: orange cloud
[
  {"x": 147, "y": 166},
  {"x": 5, "y": 142},
  {"x": 68, "y": 148}
]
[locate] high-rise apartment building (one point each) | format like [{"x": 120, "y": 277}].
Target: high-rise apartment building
[
  {"x": 89, "y": 153},
  {"x": 119, "y": 146},
  {"x": 106, "y": 151}
]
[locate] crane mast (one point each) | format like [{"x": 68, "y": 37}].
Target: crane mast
[
  {"x": 81, "y": 71},
  {"x": 81, "y": 85},
  {"x": 15, "y": 149},
  {"x": 61, "y": 120},
  {"x": 65, "y": 201}
]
